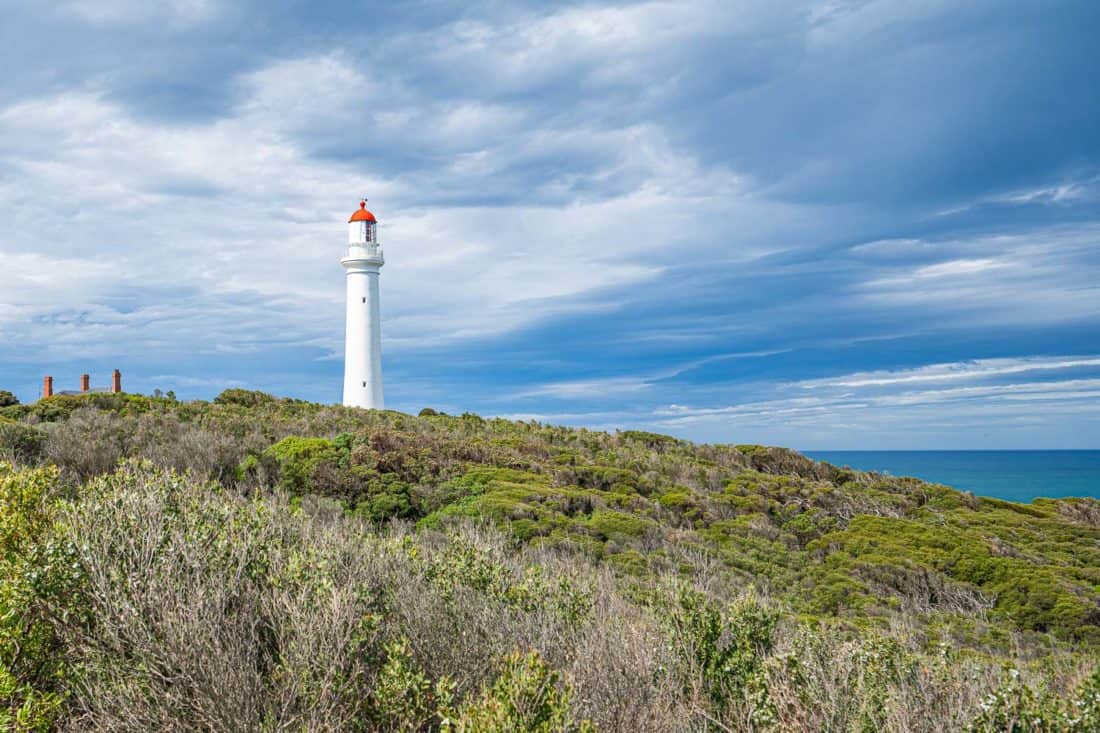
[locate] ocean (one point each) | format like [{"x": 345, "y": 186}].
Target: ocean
[{"x": 1011, "y": 475}]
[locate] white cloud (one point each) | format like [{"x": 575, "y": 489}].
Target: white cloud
[
  {"x": 1033, "y": 277},
  {"x": 956, "y": 371},
  {"x": 958, "y": 267},
  {"x": 238, "y": 206},
  {"x": 1059, "y": 194},
  {"x": 593, "y": 46},
  {"x": 910, "y": 408},
  {"x": 1062, "y": 193},
  {"x": 589, "y": 388},
  {"x": 612, "y": 386}
]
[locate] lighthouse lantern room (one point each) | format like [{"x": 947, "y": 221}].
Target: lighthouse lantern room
[
  {"x": 363, "y": 336},
  {"x": 362, "y": 226}
]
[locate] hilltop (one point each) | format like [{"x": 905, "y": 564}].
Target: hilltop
[{"x": 374, "y": 570}]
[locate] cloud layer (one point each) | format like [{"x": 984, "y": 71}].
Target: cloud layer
[{"x": 827, "y": 224}]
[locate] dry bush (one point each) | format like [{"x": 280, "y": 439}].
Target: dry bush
[
  {"x": 211, "y": 613},
  {"x": 90, "y": 443},
  {"x": 1085, "y": 510},
  {"x": 186, "y": 447},
  {"x": 939, "y": 697},
  {"x": 620, "y": 670},
  {"x": 459, "y": 616},
  {"x": 886, "y": 681}
]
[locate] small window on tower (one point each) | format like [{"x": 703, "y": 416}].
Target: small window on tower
[
  {"x": 364, "y": 300},
  {"x": 364, "y": 384}
]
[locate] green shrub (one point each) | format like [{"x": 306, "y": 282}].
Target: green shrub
[
  {"x": 1015, "y": 707},
  {"x": 676, "y": 499},
  {"x": 40, "y": 581},
  {"x": 618, "y": 525},
  {"x": 628, "y": 562},
  {"x": 1086, "y": 705},
  {"x": 16, "y": 412},
  {"x": 244, "y": 398},
  {"x": 601, "y": 478},
  {"x": 528, "y": 695},
  {"x": 58, "y": 407},
  {"x": 299, "y": 458},
  {"x": 390, "y": 503},
  {"x": 22, "y": 443},
  {"x": 650, "y": 440},
  {"x": 463, "y": 564},
  {"x": 722, "y": 649},
  {"x": 403, "y": 697},
  {"x": 248, "y": 469},
  {"x": 478, "y": 481},
  {"x": 216, "y": 612}
]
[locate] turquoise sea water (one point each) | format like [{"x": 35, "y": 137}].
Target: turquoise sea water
[{"x": 1012, "y": 475}]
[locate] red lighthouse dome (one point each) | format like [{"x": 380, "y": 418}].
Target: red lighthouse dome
[{"x": 362, "y": 214}]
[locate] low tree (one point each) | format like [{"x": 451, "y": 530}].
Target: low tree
[{"x": 7, "y": 399}]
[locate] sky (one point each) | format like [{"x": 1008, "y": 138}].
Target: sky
[{"x": 833, "y": 224}]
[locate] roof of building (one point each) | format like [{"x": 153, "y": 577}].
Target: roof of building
[{"x": 362, "y": 214}]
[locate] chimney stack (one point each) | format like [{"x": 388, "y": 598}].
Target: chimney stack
[
  {"x": 116, "y": 382},
  {"x": 47, "y": 386},
  {"x": 85, "y": 383}
]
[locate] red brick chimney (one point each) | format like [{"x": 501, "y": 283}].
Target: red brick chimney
[
  {"x": 85, "y": 383},
  {"x": 47, "y": 386},
  {"x": 116, "y": 382}
]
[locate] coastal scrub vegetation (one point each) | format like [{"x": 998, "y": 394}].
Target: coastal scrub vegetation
[{"x": 256, "y": 563}]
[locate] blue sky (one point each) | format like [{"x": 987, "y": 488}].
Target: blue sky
[{"x": 825, "y": 224}]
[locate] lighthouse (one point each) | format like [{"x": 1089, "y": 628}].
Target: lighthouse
[{"x": 363, "y": 338}]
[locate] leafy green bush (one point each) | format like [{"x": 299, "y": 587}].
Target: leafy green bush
[
  {"x": 1016, "y": 707},
  {"x": 601, "y": 478},
  {"x": 244, "y": 398},
  {"x": 22, "y": 443},
  {"x": 1085, "y": 709},
  {"x": 723, "y": 649},
  {"x": 618, "y": 525},
  {"x": 404, "y": 697},
  {"x": 388, "y": 499},
  {"x": 462, "y": 564},
  {"x": 39, "y": 582},
  {"x": 650, "y": 440},
  {"x": 298, "y": 460},
  {"x": 527, "y": 695}
]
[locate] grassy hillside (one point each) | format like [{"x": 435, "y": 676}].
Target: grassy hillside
[{"x": 354, "y": 570}]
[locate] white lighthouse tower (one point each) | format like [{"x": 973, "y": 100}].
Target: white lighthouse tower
[{"x": 363, "y": 338}]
